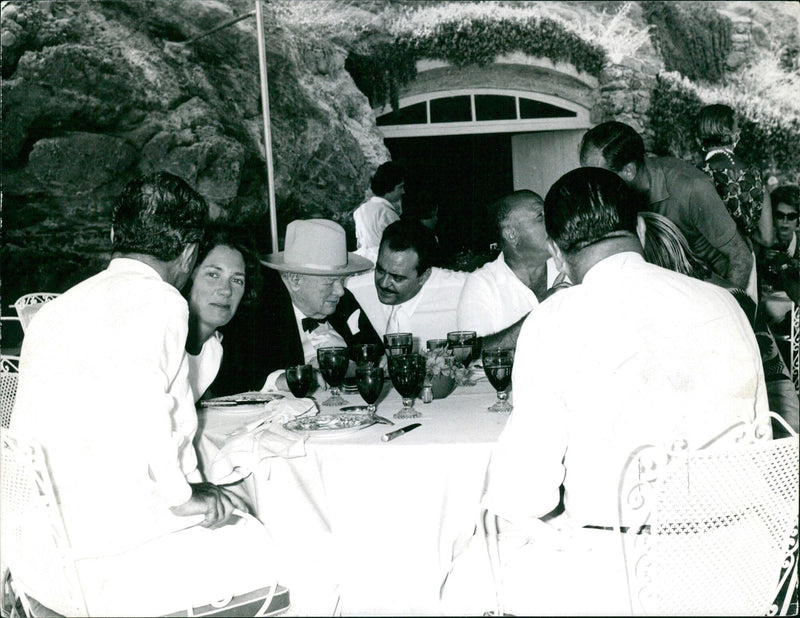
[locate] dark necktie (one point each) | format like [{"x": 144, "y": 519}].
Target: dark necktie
[{"x": 310, "y": 324}]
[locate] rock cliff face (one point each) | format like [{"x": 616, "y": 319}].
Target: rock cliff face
[{"x": 95, "y": 93}]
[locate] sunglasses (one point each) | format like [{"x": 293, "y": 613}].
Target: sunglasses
[{"x": 789, "y": 216}]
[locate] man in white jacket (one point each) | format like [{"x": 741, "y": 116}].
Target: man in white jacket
[{"x": 379, "y": 211}]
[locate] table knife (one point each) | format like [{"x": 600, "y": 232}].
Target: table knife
[{"x": 399, "y": 432}]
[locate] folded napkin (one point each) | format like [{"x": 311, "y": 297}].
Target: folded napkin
[{"x": 230, "y": 451}]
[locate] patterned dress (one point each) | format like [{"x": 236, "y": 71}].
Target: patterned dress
[{"x": 740, "y": 188}]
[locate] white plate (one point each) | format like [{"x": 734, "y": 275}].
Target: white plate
[
  {"x": 324, "y": 425},
  {"x": 241, "y": 401}
]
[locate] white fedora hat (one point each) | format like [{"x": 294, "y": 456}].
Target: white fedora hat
[{"x": 316, "y": 247}]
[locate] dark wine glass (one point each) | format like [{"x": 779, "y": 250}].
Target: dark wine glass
[
  {"x": 398, "y": 343},
  {"x": 366, "y": 353},
  {"x": 436, "y": 344},
  {"x": 407, "y": 372},
  {"x": 462, "y": 343},
  {"x": 333, "y": 363},
  {"x": 498, "y": 363},
  {"x": 369, "y": 380},
  {"x": 300, "y": 378}
]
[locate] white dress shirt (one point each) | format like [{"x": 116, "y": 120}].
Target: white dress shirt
[
  {"x": 104, "y": 387},
  {"x": 371, "y": 218},
  {"x": 636, "y": 354},
  {"x": 323, "y": 336},
  {"x": 203, "y": 367},
  {"x": 494, "y": 298},
  {"x": 431, "y": 314}
]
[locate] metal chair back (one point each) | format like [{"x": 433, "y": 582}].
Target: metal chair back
[
  {"x": 712, "y": 530},
  {"x": 9, "y": 377},
  {"x": 28, "y": 305},
  {"x": 31, "y": 525}
]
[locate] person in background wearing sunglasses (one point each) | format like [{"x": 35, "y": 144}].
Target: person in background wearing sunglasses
[{"x": 779, "y": 262}]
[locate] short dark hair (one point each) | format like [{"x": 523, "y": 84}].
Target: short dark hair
[
  {"x": 387, "y": 177},
  {"x": 587, "y": 205},
  {"x": 786, "y": 194},
  {"x": 158, "y": 214},
  {"x": 507, "y": 204},
  {"x": 404, "y": 235},
  {"x": 715, "y": 125},
  {"x": 617, "y": 142},
  {"x": 236, "y": 237}
]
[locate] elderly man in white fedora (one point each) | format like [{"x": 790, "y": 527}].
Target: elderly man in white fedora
[{"x": 303, "y": 306}]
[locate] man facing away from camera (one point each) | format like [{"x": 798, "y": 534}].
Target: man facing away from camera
[
  {"x": 632, "y": 354},
  {"x": 104, "y": 389}
]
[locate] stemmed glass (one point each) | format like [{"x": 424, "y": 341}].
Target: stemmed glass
[
  {"x": 436, "y": 344},
  {"x": 333, "y": 363},
  {"x": 398, "y": 343},
  {"x": 462, "y": 343},
  {"x": 366, "y": 353},
  {"x": 497, "y": 363},
  {"x": 369, "y": 380},
  {"x": 407, "y": 372},
  {"x": 300, "y": 378}
]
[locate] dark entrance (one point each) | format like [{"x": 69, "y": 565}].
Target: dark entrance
[{"x": 463, "y": 174}]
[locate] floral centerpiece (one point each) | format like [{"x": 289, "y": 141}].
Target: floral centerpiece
[{"x": 444, "y": 373}]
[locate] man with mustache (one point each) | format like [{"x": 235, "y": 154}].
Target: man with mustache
[{"x": 408, "y": 293}]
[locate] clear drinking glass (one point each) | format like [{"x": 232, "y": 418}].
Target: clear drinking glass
[
  {"x": 333, "y": 363},
  {"x": 407, "y": 372},
  {"x": 498, "y": 363}
]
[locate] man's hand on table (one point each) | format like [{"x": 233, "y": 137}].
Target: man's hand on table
[{"x": 215, "y": 503}]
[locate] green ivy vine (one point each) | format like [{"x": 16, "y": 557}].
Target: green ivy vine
[
  {"x": 694, "y": 39},
  {"x": 381, "y": 66},
  {"x": 770, "y": 143}
]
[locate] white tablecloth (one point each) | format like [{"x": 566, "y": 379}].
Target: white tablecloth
[{"x": 375, "y": 523}]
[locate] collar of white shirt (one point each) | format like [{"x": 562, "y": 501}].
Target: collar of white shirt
[{"x": 323, "y": 336}]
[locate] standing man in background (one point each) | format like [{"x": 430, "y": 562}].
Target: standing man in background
[
  {"x": 676, "y": 190},
  {"x": 382, "y": 209}
]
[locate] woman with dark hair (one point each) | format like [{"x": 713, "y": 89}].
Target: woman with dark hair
[{"x": 225, "y": 275}]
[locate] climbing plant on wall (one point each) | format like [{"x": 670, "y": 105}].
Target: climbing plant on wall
[
  {"x": 694, "y": 39},
  {"x": 768, "y": 140},
  {"x": 381, "y": 65}
]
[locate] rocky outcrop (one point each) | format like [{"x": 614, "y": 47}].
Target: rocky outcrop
[{"x": 95, "y": 93}]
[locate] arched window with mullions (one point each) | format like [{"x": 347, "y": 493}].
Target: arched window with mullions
[{"x": 474, "y": 111}]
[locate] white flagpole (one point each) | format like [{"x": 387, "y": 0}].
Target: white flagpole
[{"x": 262, "y": 65}]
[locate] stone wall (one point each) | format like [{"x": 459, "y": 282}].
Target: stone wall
[{"x": 96, "y": 93}]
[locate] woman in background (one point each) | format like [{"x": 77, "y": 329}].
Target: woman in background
[
  {"x": 224, "y": 276},
  {"x": 738, "y": 184}
]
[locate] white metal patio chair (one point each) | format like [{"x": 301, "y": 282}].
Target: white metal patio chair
[
  {"x": 31, "y": 524},
  {"x": 717, "y": 526},
  {"x": 28, "y": 305},
  {"x": 9, "y": 377}
]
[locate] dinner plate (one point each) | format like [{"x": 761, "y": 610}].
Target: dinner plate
[
  {"x": 325, "y": 425},
  {"x": 240, "y": 401}
]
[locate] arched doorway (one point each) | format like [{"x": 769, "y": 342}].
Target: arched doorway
[{"x": 466, "y": 147}]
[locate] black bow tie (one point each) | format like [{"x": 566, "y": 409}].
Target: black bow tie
[{"x": 310, "y": 324}]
